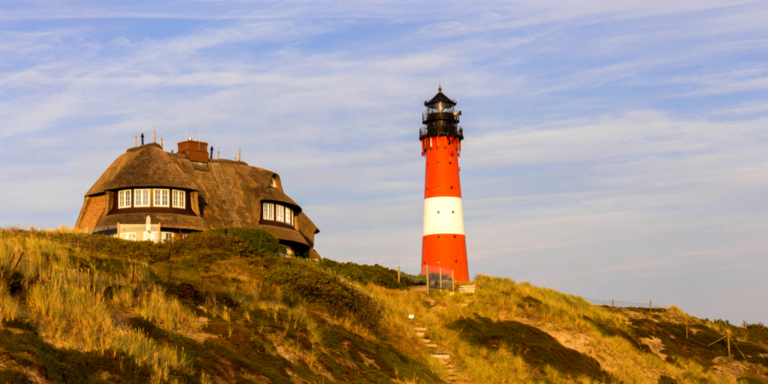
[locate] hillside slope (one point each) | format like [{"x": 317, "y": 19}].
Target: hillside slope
[{"x": 78, "y": 308}]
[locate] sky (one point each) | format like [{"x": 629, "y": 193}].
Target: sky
[{"x": 613, "y": 149}]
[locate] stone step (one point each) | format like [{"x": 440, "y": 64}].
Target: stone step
[
  {"x": 431, "y": 345},
  {"x": 441, "y": 356},
  {"x": 425, "y": 340},
  {"x": 420, "y": 334},
  {"x": 420, "y": 329}
]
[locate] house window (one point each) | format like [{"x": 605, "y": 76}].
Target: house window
[
  {"x": 273, "y": 182},
  {"x": 161, "y": 198},
  {"x": 179, "y": 199},
  {"x": 124, "y": 199},
  {"x": 141, "y": 198},
  {"x": 279, "y": 213},
  {"x": 288, "y": 216},
  {"x": 269, "y": 211},
  {"x": 166, "y": 236},
  {"x": 128, "y": 236}
]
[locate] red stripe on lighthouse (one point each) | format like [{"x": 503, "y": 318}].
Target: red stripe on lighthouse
[{"x": 445, "y": 251}]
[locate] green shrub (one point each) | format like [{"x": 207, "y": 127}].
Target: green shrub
[
  {"x": 212, "y": 241},
  {"x": 317, "y": 284},
  {"x": 260, "y": 241},
  {"x": 365, "y": 274}
]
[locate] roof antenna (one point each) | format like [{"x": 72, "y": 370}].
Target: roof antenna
[{"x": 439, "y": 85}]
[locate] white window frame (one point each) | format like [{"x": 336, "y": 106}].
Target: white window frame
[
  {"x": 288, "y": 216},
  {"x": 124, "y": 199},
  {"x": 269, "y": 211},
  {"x": 159, "y": 196},
  {"x": 279, "y": 213},
  {"x": 166, "y": 236},
  {"x": 128, "y": 236},
  {"x": 141, "y": 198},
  {"x": 179, "y": 199}
]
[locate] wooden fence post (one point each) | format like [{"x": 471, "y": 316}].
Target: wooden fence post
[
  {"x": 650, "y": 305},
  {"x": 398, "y": 274},
  {"x": 427, "y": 278},
  {"x": 262, "y": 288},
  {"x": 729, "y": 343},
  {"x": 686, "y": 327},
  {"x": 613, "y": 307},
  {"x": 453, "y": 282},
  {"x": 441, "y": 277},
  {"x": 237, "y": 286},
  {"x": 17, "y": 262}
]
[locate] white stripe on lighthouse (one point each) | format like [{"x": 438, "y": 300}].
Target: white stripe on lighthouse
[{"x": 443, "y": 215}]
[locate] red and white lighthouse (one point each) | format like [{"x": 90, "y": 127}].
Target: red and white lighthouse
[{"x": 443, "y": 245}]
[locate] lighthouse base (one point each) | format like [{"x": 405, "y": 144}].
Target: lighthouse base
[{"x": 446, "y": 251}]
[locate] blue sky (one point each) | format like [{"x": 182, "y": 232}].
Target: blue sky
[{"x": 614, "y": 149}]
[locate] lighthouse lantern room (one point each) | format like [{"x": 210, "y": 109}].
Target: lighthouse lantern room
[{"x": 443, "y": 244}]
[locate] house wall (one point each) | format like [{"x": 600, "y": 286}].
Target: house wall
[{"x": 95, "y": 207}]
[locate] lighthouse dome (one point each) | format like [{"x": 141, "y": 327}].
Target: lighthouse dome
[{"x": 440, "y": 102}]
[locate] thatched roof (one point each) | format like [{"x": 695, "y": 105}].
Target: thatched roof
[
  {"x": 218, "y": 183},
  {"x": 144, "y": 166}
]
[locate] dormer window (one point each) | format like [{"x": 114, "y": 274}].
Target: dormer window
[
  {"x": 161, "y": 198},
  {"x": 179, "y": 199},
  {"x": 269, "y": 211},
  {"x": 278, "y": 213},
  {"x": 141, "y": 198},
  {"x": 124, "y": 199},
  {"x": 273, "y": 182}
]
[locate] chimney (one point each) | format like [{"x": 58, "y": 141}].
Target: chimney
[
  {"x": 154, "y": 136},
  {"x": 142, "y": 139},
  {"x": 238, "y": 154},
  {"x": 195, "y": 150},
  {"x": 211, "y": 151},
  {"x": 136, "y": 141}
]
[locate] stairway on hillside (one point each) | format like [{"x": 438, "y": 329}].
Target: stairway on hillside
[{"x": 442, "y": 355}]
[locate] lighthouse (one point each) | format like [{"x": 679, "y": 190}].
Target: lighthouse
[{"x": 444, "y": 247}]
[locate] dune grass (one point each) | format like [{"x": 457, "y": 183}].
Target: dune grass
[{"x": 213, "y": 316}]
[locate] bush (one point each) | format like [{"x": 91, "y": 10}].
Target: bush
[
  {"x": 260, "y": 241},
  {"x": 365, "y": 274},
  {"x": 320, "y": 285},
  {"x": 212, "y": 241}
]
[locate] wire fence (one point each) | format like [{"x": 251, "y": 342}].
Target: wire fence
[{"x": 624, "y": 304}]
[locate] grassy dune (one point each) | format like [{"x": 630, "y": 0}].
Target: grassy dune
[{"x": 215, "y": 308}]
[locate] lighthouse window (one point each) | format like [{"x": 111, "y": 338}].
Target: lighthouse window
[
  {"x": 141, "y": 198},
  {"x": 179, "y": 199},
  {"x": 269, "y": 211},
  {"x": 161, "y": 198},
  {"x": 124, "y": 199}
]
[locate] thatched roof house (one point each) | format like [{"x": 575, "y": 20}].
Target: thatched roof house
[{"x": 150, "y": 194}]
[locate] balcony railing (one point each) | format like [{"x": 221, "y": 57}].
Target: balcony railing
[
  {"x": 434, "y": 115},
  {"x": 441, "y": 131}
]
